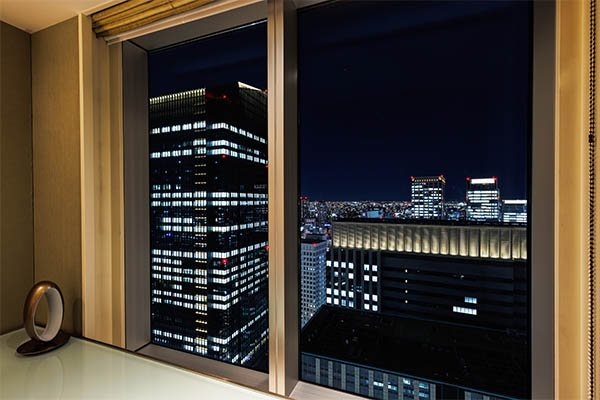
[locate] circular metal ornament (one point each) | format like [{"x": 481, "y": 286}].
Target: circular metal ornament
[{"x": 51, "y": 337}]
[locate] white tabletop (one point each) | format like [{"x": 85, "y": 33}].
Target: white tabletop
[{"x": 86, "y": 370}]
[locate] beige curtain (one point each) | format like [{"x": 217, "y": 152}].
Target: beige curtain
[{"x": 132, "y": 14}]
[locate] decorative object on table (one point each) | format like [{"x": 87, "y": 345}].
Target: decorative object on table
[{"x": 52, "y": 337}]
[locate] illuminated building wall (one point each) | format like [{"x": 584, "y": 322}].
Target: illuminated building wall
[
  {"x": 483, "y": 199},
  {"x": 427, "y": 196},
  {"x": 514, "y": 211},
  {"x": 208, "y": 223},
  {"x": 459, "y": 273}
]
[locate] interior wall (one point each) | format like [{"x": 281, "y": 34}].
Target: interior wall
[
  {"x": 16, "y": 213},
  {"x": 56, "y": 163}
]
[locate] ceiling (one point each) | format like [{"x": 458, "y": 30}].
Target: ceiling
[{"x": 34, "y": 15}]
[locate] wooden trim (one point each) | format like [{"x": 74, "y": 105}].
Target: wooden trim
[{"x": 571, "y": 198}]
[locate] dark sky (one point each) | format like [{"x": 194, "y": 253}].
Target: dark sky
[{"x": 388, "y": 90}]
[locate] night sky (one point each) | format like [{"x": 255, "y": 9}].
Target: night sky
[{"x": 389, "y": 90}]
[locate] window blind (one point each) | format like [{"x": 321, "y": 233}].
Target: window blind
[{"x": 133, "y": 14}]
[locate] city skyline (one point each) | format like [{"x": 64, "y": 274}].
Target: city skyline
[
  {"x": 375, "y": 110},
  {"x": 460, "y": 199},
  {"x": 393, "y": 131}
]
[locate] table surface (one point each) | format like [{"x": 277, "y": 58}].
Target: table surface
[{"x": 86, "y": 370}]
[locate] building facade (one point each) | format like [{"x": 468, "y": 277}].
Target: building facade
[
  {"x": 428, "y": 196},
  {"x": 483, "y": 199},
  {"x": 208, "y": 223},
  {"x": 463, "y": 273},
  {"x": 514, "y": 211},
  {"x": 313, "y": 251}
]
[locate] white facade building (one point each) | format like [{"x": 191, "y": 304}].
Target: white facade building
[{"x": 313, "y": 251}]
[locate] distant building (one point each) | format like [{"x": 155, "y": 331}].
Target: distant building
[
  {"x": 427, "y": 194},
  {"x": 374, "y": 214},
  {"x": 313, "y": 252},
  {"x": 483, "y": 199},
  {"x": 304, "y": 211},
  {"x": 514, "y": 211},
  {"x": 448, "y": 272}
]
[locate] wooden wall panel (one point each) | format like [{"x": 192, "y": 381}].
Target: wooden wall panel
[
  {"x": 16, "y": 215},
  {"x": 56, "y": 163},
  {"x": 101, "y": 138}
]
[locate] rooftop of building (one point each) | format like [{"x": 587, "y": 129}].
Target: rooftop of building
[{"x": 474, "y": 358}]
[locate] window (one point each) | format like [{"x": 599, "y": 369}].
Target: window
[
  {"x": 208, "y": 159},
  {"x": 414, "y": 131}
]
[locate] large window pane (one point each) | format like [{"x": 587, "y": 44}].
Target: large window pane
[
  {"x": 414, "y": 124},
  {"x": 208, "y": 185}
]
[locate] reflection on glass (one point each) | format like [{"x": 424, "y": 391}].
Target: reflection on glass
[
  {"x": 208, "y": 189},
  {"x": 414, "y": 132}
]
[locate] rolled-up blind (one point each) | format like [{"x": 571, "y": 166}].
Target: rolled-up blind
[{"x": 132, "y": 14}]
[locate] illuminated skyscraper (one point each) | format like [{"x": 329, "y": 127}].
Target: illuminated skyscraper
[
  {"x": 483, "y": 199},
  {"x": 514, "y": 211},
  {"x": 427, "y": 194},
  {"x": 313, "y": 252},
  {"x": 208, "y": 223}
]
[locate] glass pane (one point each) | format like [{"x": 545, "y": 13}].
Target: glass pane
[
  {"x": 414, "y": 123},
  {"x": 208, "y": 185}
]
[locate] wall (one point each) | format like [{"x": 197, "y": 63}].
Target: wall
[
  {"x": 16, "y": 212},
  {"x": 56, "y": 163}
]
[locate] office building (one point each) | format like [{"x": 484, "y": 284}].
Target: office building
[
  {"x": 427, "y": 196},
  {"x": 304, "y": 211},
  {"x": 483, "y": 199},
  {"x": 393, "y": 358},
  {"x": 444, "y": 271},
  {"x": 313, "y": 251},
  {"x": 514, "y": 211},
  {"x": 208, "y": 223}
]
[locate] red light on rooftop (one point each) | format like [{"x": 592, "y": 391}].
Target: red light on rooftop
[
  {"x": 412, "y": 178},
  {"x": 224, "y": 97},
  {"x": 468, "y": 179},
  {"x": 314, "y": 245},
  {"x": 495, "y": 178},
  {"x": 224, "y": 261},
  {"x": 223, "y": 156}
]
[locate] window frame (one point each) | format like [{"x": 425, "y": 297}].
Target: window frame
[{"x": 284, "y": 356}]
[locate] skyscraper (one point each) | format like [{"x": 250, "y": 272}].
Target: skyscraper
[
  {"x": 483, "y": 199},
  {"x": 514, "y": 211},
  {"x": 208, "y": 223},
  {"x": 312, "y": 275},
  {"x": 427, "y": 194}
]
